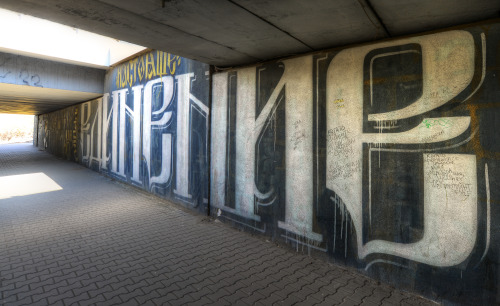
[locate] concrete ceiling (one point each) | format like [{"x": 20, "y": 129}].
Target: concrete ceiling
[
  {"x": 237, "y": 32},
  {"x": 30, "y": 100},
  {"x": 35, "y": 86}
]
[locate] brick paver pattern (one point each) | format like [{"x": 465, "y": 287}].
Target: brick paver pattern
[{"x": 100, "y": 242}]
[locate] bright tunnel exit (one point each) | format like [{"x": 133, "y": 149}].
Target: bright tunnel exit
[
  {"x": 16, "y": 128},
  {"x": 26, "y": 184}
]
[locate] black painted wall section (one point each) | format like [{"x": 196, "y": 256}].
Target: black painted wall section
[
  {"x": 383, "y": 157},
  {"x": 150, "y": 128},
  {"x": 57, "y": 133}
]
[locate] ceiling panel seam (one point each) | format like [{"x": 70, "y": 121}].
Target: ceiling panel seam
[
  {"x": 366, "y": 4},
  {"x": 272, "y": 24}
]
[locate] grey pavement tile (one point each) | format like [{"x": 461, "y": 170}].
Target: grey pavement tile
[
  {"x": 286, "y": 291},
  {"x": 379, "y": 295},
  {"x": 270, "y": 300},
  {"x": 8, "y": 300},
  {"x": 236, "y": 287},
  {"x": 142, "y": 299},
  {"x": 338, "y": 297},
  {"x": 130, "y": 296},
  {"x": 200, "y": 293},
  {"x": 236, "y": 297},
  {"x": 99, "y": 242},
  {"x": 55, "y": 298},
  {"x": 310, "y": 300},
  {"x": 43, "y": 296},
  {"x": 100, "y": 291},
  {"x": 30, "y": 293},
  {"x": 40, "y": 303},
  {"x": 253, "y": 298},
  {"x": 288, "y": 283},
  {"x": 185, "y": 290},
  {"x": 75, "y": 299},
  {"x": 163, "y": 299},
  {"x": 289, "y": 300},
  {"x": 96, "y": 300},
  {"x": 268, "y": 290},
  {"x": 218, "y": 293},
  {"x": 115, "y": 300},
  {"x": 185, "y": 300},
  {"x": 360, "y": 293},
  {"x": 352, "y": 286},
  {"x": 349, "y": 302}
]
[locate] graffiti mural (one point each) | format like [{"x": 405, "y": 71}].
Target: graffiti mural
[
  {"x": 150, "y": 129},
  {"x": 57, "y": 133},
  {"x": 379, "y": 156}
]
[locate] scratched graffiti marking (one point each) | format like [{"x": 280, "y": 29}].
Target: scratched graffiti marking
[
  {"x": 298, "y": 134},
  {"x": 446, "y": 174},
  {"x": 443, "y": 122}
]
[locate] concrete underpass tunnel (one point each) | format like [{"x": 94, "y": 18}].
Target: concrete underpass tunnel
[
  {"x": 45, "y": 67},
  {"x": 363, "y": 133}
]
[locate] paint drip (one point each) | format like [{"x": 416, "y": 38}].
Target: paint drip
[{"x": 344, "y": 229}]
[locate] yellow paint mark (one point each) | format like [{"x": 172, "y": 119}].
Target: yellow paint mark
[
  {"x": 338, "y": 102},
  {"x": 146, "y": 68},
  {"x": 150, "y": 66},
  {"x": 476, "y": 141}
]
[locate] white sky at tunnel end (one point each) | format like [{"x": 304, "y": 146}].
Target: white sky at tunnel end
[
  {"x": 14, "y": 121},
  {"x": 35, "y": 36}
]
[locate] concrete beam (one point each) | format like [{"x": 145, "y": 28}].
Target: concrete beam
[
  {"x": 21, "y": 70},
  {"x": 112, "y": 21},
  {"x": 237, "y": 32},
  {"x": 35, "y": 86}
]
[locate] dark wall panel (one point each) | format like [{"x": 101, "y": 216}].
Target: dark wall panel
[
  {"x": 57, "y": 133},
  {"x": 384, "y": 157},
  {"x": 150, "y": 128}
]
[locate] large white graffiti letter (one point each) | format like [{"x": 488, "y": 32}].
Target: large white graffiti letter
[
  {"x": 121, "y": 113},
  {"x": 186, "y": 104},
  {"x": 91, "y": 125},
  {"x": 245, "y": 127},
  {"x": 119, "y": 97},
  {"x": 365, "y": 122},
  {"x": 165, "y": 85}
]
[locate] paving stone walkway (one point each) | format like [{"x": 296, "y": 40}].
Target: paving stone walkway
[{"x": 99, "y": 242}]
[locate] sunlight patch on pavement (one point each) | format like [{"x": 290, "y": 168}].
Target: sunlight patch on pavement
[{"x": 26, "y": 184}]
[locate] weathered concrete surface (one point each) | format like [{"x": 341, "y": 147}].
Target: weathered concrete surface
[
  {"x": 150, "y": 128},
  {"x": 57, "y": 132},
  {"x": 320, "y": 24},
  {"x": 222, "y": 33},
  {"x": 22, "y": 70},
  {"x": 30, "y": 100},
  {"x": 413, "y": 16},
  {"x": 228, "y": 33},
  {"x": 34, "y": 86},
  {"x": 95, "y": 241},
  {"x": 382, "y": 156}
]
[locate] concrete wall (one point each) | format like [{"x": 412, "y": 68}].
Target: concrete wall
[
  {"x": 57, "y": 133},
  {"x": 384, "y": 157},
  {"x": 37, "y": 86},
  {"x": 150, "y": 128},
  {"x": 35, "y": 131},
  {"x": 22, "y": 70}
]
